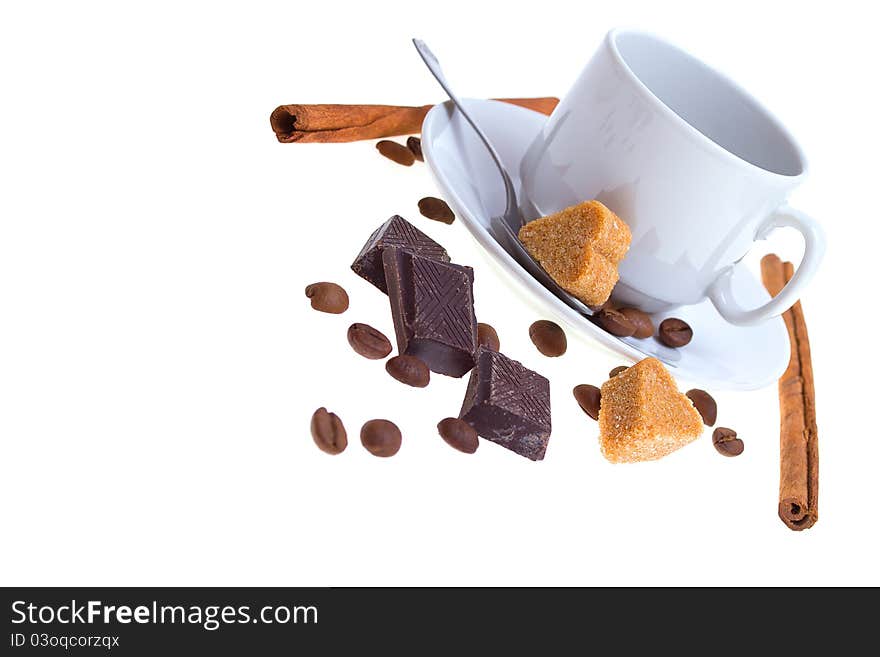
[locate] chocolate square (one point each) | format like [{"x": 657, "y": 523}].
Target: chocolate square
[
  {"x": 432, "y": 304},
  {"x": 508, "y": 404},
  {"x": 397, "y": 232}
]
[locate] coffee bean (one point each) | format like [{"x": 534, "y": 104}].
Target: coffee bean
[
  {"x": 615, "y": 322},
  {"x": 548, "y": 337},
  {"x": 487, "y": 337},
  {"x": 644, "y": 327},
  {"x": 397, "y": 152},
  {"x": 328, "y": 297},
  {"x": 607, "y": 304},
  {"x": 414, "y": 144},
  {"x": 617, "y": 370},
  {"x": 381, "y": 438},
  {"x": 674, "y": 332},
  {"x": 589, "y": 398},
  {"x": 726, "y": 442},
  {"x": 459, "y": 434},
  {"x": 436, "y": 209},
  {"x": 409, "y": 370},
  {"x": 328, "y": 432},
  {"x": 368, "y": 342},
  {"x": 705, "y": 405}
]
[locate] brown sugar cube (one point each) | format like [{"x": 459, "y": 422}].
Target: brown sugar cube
[
  {"x": 580, "y": 248},
  {"x": 643, "y": 416}
]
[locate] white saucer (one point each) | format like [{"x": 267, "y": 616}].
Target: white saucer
[{"x": 720, "y": 356}]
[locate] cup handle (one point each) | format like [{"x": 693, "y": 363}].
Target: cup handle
[{"x": 721, "y": 293}]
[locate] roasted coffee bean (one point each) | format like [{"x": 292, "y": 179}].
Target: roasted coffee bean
[
  {"x": 705, "y": 405},
  {"x": 487, "y": 337},
  {"x": 548, "y": 337},
  {"x": 726, "y": 442},
  {"x": 459, "y": 434},
  {"x": 397, "y": 152},
  {"x": 615, "y": 322},
  {"x": 328, "y": 297},
  {"x": 381, "y": 438},
  {"x": 414, "y": 144},
  {"x": 674, "y": 332},
  {"x": 617, "y": 370},
  {"x": 328, "y": 432},
  {"x": 589, "y": 398},
  {"x": 409, "y": 370},
  {"x": 368, "y": 342},
  {"x": 644, "y": 327},
  {"x": 436, "y": 209}
]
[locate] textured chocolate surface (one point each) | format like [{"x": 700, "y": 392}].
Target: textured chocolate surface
[
  {"x": 397, "y": 232},
  {"x": 432, "y": 304},
  {"x": 508, "y": 404}
]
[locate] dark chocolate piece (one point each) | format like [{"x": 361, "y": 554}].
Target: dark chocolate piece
[
  {"x": 398, "y": 232},
  {"x": 432, "y": 304},
  {"x": 508, "y": 404}
]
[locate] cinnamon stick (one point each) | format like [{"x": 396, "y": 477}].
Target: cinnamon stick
[
  {"x": 799, "y": 435},
  {"x": 340, "y": 123}
]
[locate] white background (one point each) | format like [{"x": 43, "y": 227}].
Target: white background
[{"x": 159, "y": 363}]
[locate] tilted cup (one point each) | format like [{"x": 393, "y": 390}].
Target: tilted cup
[{"x": 693, "y": 164}]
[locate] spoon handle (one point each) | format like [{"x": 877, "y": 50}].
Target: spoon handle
[{"x": 433, "y": 65}]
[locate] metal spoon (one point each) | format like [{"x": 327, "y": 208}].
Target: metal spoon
[{"x": 512, "y": 220}]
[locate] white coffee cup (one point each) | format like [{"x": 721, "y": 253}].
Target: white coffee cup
[{"x": 689, "y": 160}]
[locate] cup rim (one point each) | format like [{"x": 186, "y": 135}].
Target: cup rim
[{"x": 611, "y": 42}]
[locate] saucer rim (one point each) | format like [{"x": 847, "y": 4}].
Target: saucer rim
[{"x": 443, "y": 112}]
